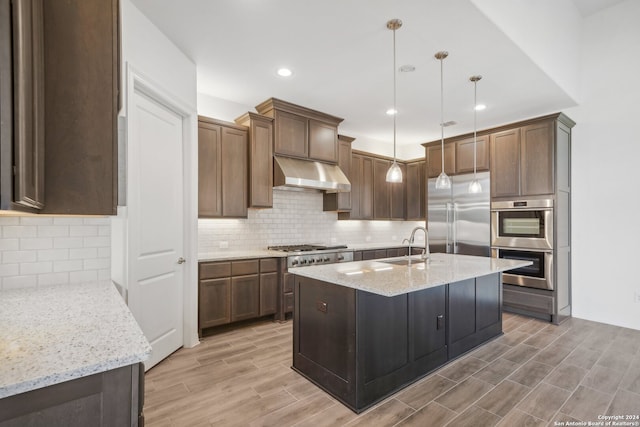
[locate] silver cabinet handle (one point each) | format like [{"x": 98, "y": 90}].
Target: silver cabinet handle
[{"x": 181, "y": 260}]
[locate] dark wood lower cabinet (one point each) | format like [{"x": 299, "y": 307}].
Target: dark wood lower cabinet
[
  {"x": 111, "y": 398},
  {"x": 361, "y": 347},
  {"x": 231, "y": 291}
]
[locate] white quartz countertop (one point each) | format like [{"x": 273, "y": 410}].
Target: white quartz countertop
[
  {"x": 59, "y": 333},
  {"x": 383, "y": 278}
]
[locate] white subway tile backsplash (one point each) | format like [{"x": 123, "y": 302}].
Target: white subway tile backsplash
[
  {"x": 52, "y": 254},
  {"x": 20, "y": 282},
  {"x": 11, "y": 231},
  {"x": 296, "y": 217},
  {"x": 36, "y": 267},
  {"x": 41, "y": 251},
  {"x": 36, "y": 243}
]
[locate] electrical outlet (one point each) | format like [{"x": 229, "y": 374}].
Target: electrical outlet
[{"x": 224, "y": 244}]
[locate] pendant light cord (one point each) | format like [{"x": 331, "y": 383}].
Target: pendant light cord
[
  {"x": 475, "y": 127},
  {"x": 395, "y": 111},
  {"x": 442, "y": 112}
]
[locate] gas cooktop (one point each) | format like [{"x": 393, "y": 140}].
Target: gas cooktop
[{"x": 305, "y": 248}]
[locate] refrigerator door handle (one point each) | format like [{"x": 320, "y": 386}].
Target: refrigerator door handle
[
  {"x": 455, "y": 228},
  {"x": 448, "y": 246}
]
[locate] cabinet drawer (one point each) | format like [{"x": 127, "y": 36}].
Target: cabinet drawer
[
  {"x": 242, "y": 268},
  {"x": 215, "y": 270},
  {"x": 527, "y": 301},
  {"x": 268, "y": 265}
]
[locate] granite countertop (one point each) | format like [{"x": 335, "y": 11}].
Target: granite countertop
[
  {"x": 54, "y": 334},
  {"x": 231, "y": 255},
  {"x": 239, "y": 254},
  {"x": 383, "y": 278}
]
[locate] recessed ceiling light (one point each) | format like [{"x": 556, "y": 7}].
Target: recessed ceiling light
[
  {"x": 480, "y": 107},
  {"x": 284, "y": 72},
  {"x": 391, "y": 112}
]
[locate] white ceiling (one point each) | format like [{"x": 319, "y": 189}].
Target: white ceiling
[{"x": 341, "y": 54}]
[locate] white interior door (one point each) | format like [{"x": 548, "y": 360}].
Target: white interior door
[{"x": 155, "y": 200}]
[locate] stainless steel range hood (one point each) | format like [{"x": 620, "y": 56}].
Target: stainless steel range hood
[{"x": 289, "y": 172}]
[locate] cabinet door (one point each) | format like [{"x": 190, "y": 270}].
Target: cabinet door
[
  {"x": 488, "y": 304},
  {"x": 398, "y": 195},
  {"x": 416, "y": 191},
  {"x": 245, "y": 297},
  {"x": 536, "y": 159},
  {"x": 261, "y": 164},
  {"x": 505, "y": 163},
  {"x": 268, "y": 293},
  {"x": 209, "y": 170},
  {"x": 381, "y": 190},
  {"x": 462, "y": 310},
  {"x": 366, "y": 189},
  {"x": 427, "y": 313},
  {"x": 214, "y": 302},
  {"x": 291, "y": 134},
  {"x": 355, "y": 177},
  {"x": 344, "y": 162},
  {"x": 235, "y": 172},
  {"x": 434, "y": 160},
  {"x": 464, "y": 154},
  {"x": 323, "y": 141},
  {"x": 28, "y": 114}
]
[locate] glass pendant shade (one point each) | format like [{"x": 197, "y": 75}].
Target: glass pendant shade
[
  {"x": 394, "y": 174},
  {"x": 475, "y": 187},
  {"x": 443, "y": 182}
]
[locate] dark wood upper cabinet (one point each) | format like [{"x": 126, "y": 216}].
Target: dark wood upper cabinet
[
  {"x": 398, "y": 196},
  {"x": 381, "y": 190},
  {"x": 537, "y": 159},
  {"x": 292, "y": 134},
  {"x": 209, "y": 170},
  {"x": 434, "y": 159},
  {"x": 260, "y": 159},
  {"x": 222, "y": 169},
  {"x": 82, "y": 99},
  {"x": 302, "y": 132},
  {"x": 29, "y": 103},
  {"x": 366, "y": 189},
  {"x": 341, "y": 202},
  {"x": 465, "y": 152},
  {"x": 355, "y": 177},
  {"x": 416, "y": 191},
  {"x": 505, "y": 163},
  {"x": 323, "y": 141}
]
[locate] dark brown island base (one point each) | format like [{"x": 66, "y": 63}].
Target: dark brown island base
[{"x": 361, "y": 347}]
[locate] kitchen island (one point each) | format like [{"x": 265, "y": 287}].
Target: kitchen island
[
  {"x": 70, "y": 355},
  {"x": 364, "y": 330}
]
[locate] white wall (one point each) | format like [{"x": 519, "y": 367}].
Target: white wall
[
  {"x": 606, "y": 155},
  {"x": 41, "y": 251},
  {"x": 296, "y": 217}
]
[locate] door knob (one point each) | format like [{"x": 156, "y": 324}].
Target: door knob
[{"x": 181, "y": 260}]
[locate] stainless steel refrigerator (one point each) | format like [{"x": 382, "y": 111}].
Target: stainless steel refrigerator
[{"x": 459, "y": 221}]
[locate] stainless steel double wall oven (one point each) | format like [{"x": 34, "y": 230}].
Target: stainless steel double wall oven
[{"x": 523, "y": 230}]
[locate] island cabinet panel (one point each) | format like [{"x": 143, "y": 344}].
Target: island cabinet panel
[
  {"x": 360, "y": 347},
  {"x": 474, "y": 313}
]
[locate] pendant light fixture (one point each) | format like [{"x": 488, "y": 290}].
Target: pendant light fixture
[
  {"x": 394, "y": 174},
  {"x": 474, "y": 186},
  {"x": 443, "y": 182}
]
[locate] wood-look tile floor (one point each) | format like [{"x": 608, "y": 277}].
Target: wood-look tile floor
[{"x": 536, "y": 374}]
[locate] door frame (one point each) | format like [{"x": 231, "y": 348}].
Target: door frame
[{"x": 139, "y": 82}]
